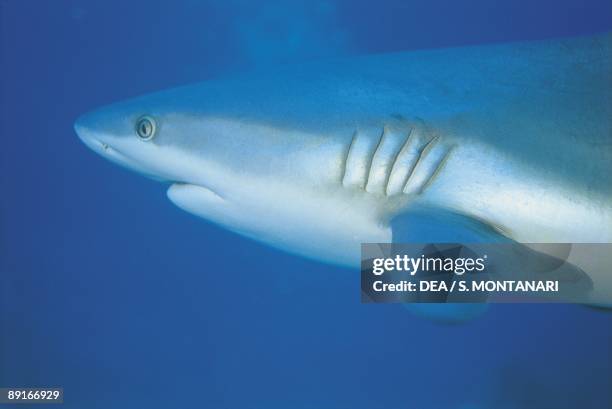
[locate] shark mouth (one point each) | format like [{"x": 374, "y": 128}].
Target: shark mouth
[{"x": 177, "y": 186}]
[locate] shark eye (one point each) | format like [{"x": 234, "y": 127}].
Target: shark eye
[{"x": 145, "y": 128}]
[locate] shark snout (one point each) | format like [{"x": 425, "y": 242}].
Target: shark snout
[
  {"x": 96, "y": 139},
  {"x": 93, "y": 130},
  {"x": 87, "y": 135},
  {"x": 86, "y": 130}
]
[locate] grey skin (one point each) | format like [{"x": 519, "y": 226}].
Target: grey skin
[{"x": 317, "y": 158}]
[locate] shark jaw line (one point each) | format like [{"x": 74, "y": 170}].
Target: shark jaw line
[{"x": 118, "y": 156}]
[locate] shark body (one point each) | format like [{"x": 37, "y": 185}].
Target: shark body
[{"x": 317, "y": 158}]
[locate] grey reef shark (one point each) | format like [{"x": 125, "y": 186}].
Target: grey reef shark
[{"x": 496, "y": 143}]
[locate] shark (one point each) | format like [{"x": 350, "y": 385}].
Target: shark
[{"x": 479, "y": 143}]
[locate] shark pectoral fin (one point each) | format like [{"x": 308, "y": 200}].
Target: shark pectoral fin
[
  {"x": 544, "y": 262},
  {"x": 432, "y": 225},
  {"x": 435, "y": 225},
  {"x": 507, "y": 259}
]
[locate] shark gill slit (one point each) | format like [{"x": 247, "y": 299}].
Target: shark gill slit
[
  {"x": 389, "y": 167},
  {"x": 422, "y": 154},
  {"x": 371, "y": 159},
  {"x": 431, "y": 160},
  {"x": 437, "y": 170},
  {"x": 346, "y": 158},
  {"x": 413, "y": 165},
  {"x": 394, "y": 162}
]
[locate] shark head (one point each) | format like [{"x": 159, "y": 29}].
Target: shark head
[
  {"x": 160, "y": 140},
  {"x": 243, "y": 160}
]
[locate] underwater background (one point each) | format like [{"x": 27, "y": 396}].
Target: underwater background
[{"x": 110, "y": 291}]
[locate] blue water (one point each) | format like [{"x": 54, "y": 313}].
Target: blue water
[{"x": 110, "y": 291}]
